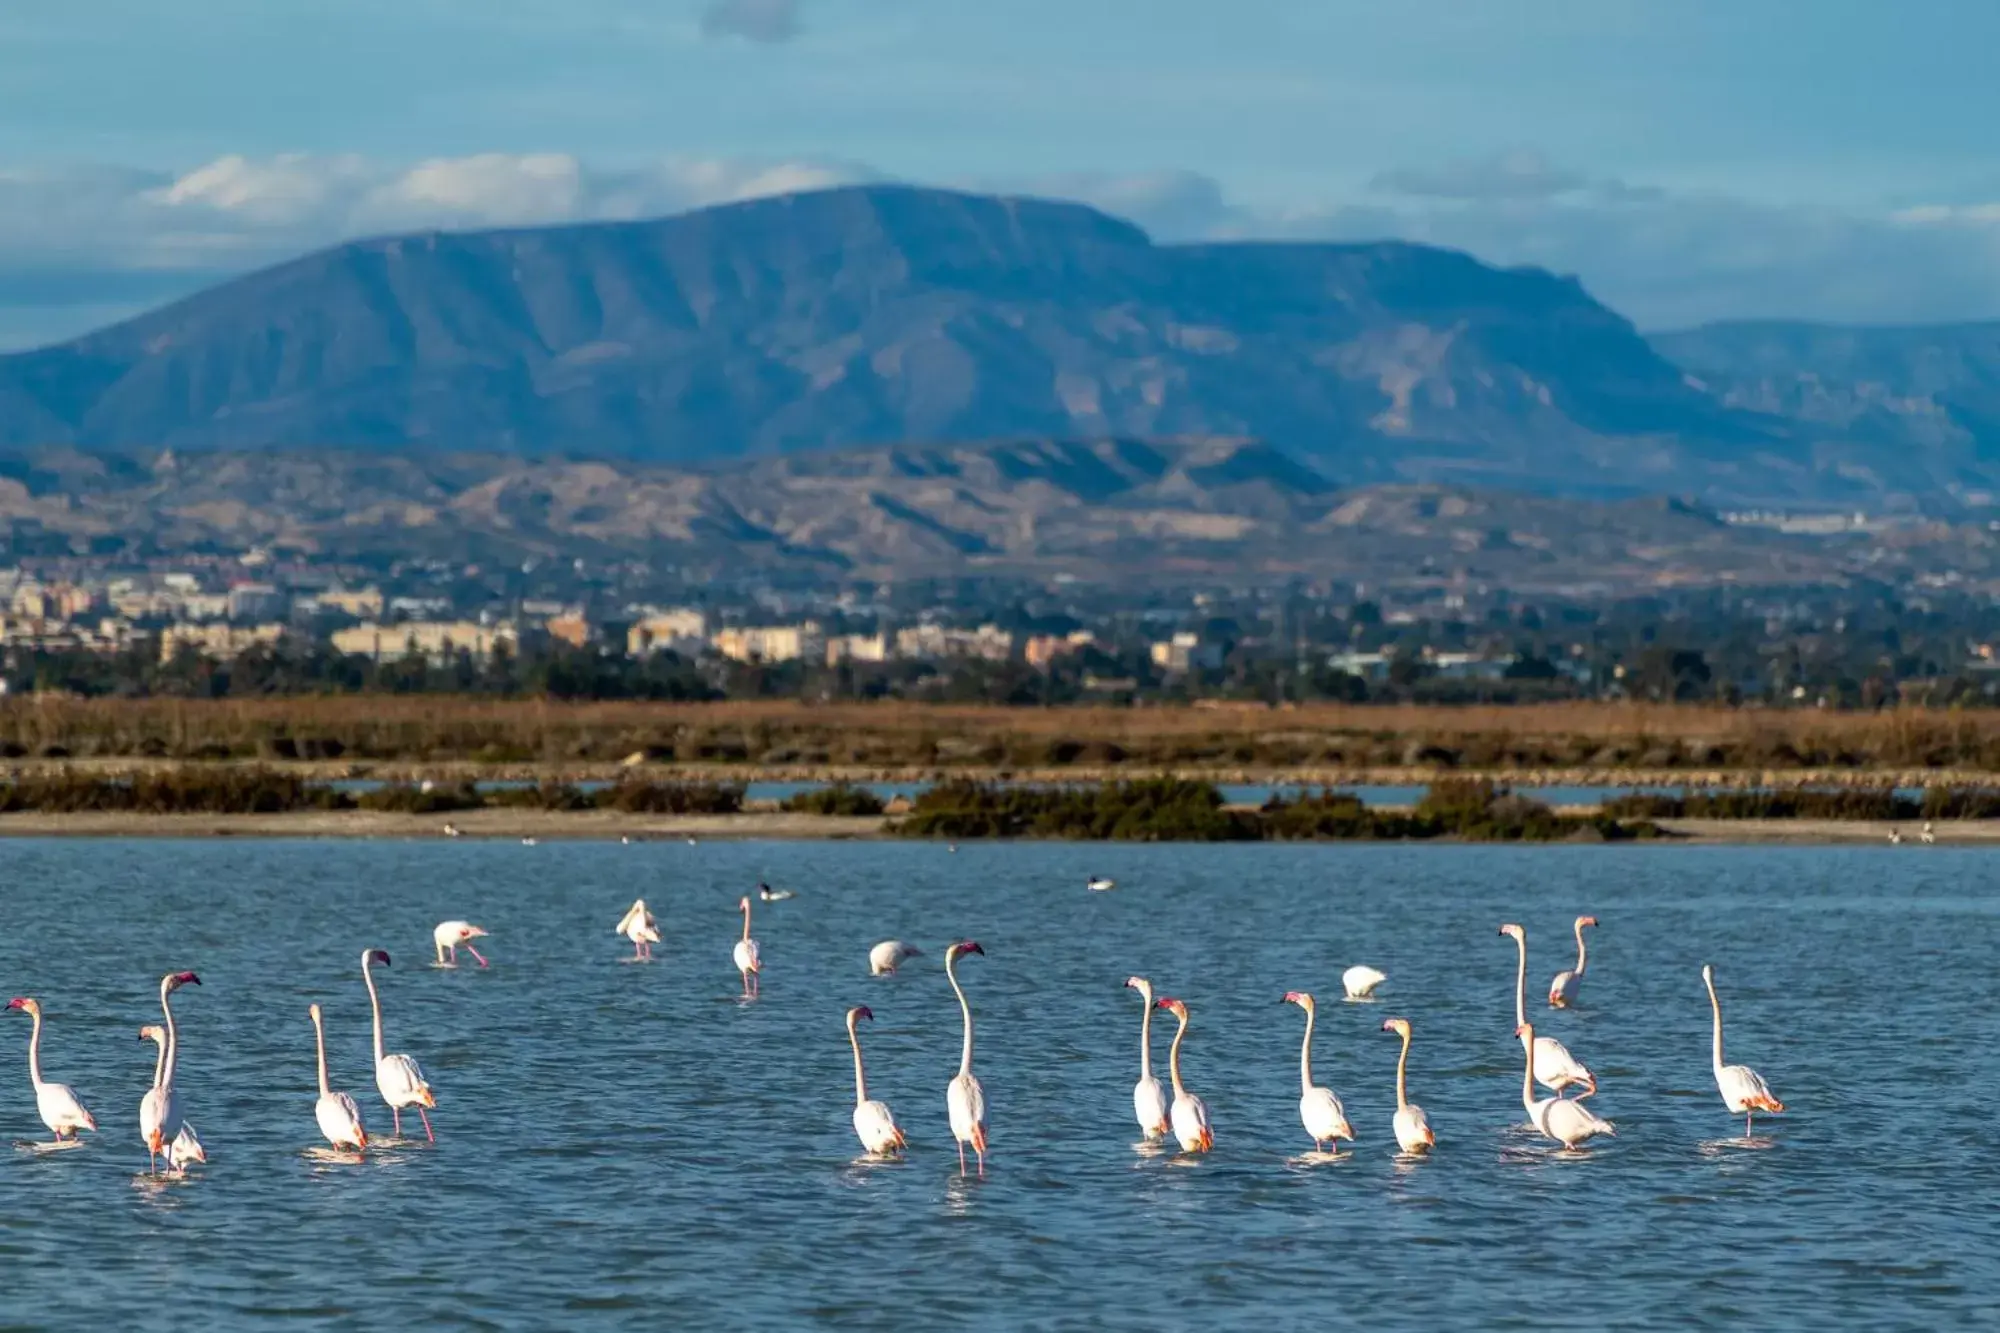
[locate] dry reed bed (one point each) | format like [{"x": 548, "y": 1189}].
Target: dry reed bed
[{"x": 1555, "y": 742}]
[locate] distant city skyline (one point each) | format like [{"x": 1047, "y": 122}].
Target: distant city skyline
[{"x": 1689, "y": 161}]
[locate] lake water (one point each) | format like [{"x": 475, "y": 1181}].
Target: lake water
[{"x": 626, "y": 1146}]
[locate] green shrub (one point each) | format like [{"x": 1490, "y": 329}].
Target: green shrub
[{"x": 839, "y": 799}]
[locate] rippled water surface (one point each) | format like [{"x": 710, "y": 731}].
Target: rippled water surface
[{"x": 628, "y": 1146}]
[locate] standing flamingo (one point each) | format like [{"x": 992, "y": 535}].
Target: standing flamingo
[
  {"x": 1742, "y": 1088},
  {"x": 1319, "y": 1110},
  {"x": 748, "y": 960},
  {"x": 60, "y": 1108},
  {"x": 1360, "y": 981},
  {"x": 638, "y": 926},
  {"x": 886, "y": 957},
  {"x": 1567, "y": 1122},
  {"x": 186, "y": 1146},
  {"x": 1555, "y": 1067},
  {"x": 964, "y": 1099},
  {"x": 1189, "y": 1112},
  {"x": 160, "y": 1119},
  {"x": 338, "y": 1115},
  {"x": 1413, "y": 1127},
  {"x": 1149, "y": 1103},
  {"x": 450, "y": 935},
  {"x": 872, "y": 1121},
  {"x": 397, "y": 1077},
  {"x": 1564, "y": 989}
]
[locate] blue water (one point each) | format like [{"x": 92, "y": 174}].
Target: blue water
[{"x": 627, "y": 1146}]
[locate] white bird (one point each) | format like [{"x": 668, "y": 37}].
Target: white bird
[
  {"x": 160, "y": 1118},
  {"x": 1319, "y": 1110},
  {"x": 1928, "y": 836},
  {"x": 1360, "y": 982},
  {"x": 964, "y": 1099},
  {"x": 1149, "y": 1101},
  {"x": 1568, "y": 985},
  {"x": 1742, "y": 1088},
  {"x": 638, "y": 926},
  {"x": 872, "y": 1122},
  {"x": 449, "y": 935},
  {"x": 1100, "y": 883},
  {"x": 1413, "y": 1127},
  {"x": 186, "y": 1146},
  {"x": 749, "y": 961},
  {"x": 1189, "y": 1114},
  {"x": 771, "y": 895},
  {"x": 886, "y": 957},
  {"x": 529, "y": 841},
  {"x": 397, "y": 1077},
  {"x": 1567, "y": 1122},
  {"x": 1555, "y": 1067},
  {"x": 451, "y": 831},
  {"x": 338, "y": 1115},
  {"x": 1895, "y": 837},
  {"x": 57, "y": 1103}
]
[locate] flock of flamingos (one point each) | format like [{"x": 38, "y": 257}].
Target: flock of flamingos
[{"x": 172, "y": 1140}]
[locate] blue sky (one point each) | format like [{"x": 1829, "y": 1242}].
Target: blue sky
[{"x": 1690, "y": 159}]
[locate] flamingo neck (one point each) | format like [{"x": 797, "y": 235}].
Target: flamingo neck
[
  {"x": 1306, "y": 1055},
  {"x": 1174, "y": 1058},
  {"x": 1716, "y": 1004},
  {"x": 860, "y": 1074},
  {"x": 374, "y": 1006},
  {"x": 159, "y": 1058},
  {"x": 35, "y": 1050},
  {"x": 319, "y": 1049},
  {"x": 965, "y": 1057},
  {"x": 1521, "y": 982},
  {"x": 1582, "y": 951},
  {"x": 1528, "y": 1077},
  {"x": 1402, "y": 1064},
  {"x": 170, "y": 1053},
  {"x": 746, "y": 919},
  {"x": 1146, "y": 1036}
]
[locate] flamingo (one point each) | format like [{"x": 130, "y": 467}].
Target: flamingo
[
  {"x": 449, "y": 935},
  {"x": 1360, "y": 982},
  {"x": 748, "y": 960},
  {"x": 872, "y": 1121},
  {"x": 338, "y": 1115},
  {"x": 638, "y": 926},
  {"x": 1190, "y": 1113},
  {"x": 1100, "y": 884},
  {"x": 60, "y": 1108},
  {"x": 1555, "y": 1067},
  {"x": 1413, "y": 1127},
  {"x": 1563, "y": 990},
  {"x": 886, "y": 957},
  {"x": 1742, "y": 1088},
  {"x": 1320, "y": 1111},
  {"x": 1149, "y": 1103},
  {"x": 397, "y": 1077},
  {"x": 964, "y": 1099},
  {"x": 160, "y": 1118},
  {"x": 1928, "y": 835},
  {"x": 771, "y": 895},
  {"x": 186, "y": 1146},
  {"x": 1567, "y": 1122}
]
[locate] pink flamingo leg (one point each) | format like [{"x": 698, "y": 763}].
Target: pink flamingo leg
[
  {"x": 475, "y": 953},
  {"x": 398, "y": 1113},
  {"x": 961, "y": 1157},
  {"x": 427, "y": 1125}
]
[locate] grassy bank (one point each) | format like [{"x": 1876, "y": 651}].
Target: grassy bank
[
  {"x": 261, "y": 791},
  {"x": 1697, "y": 741}
]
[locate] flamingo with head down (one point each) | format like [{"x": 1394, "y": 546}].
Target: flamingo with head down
[
  {"x": 57, "y": 1103},
  {"x": 886, "y": 957},
  {"x": 638, "y": 926},
  {"x": 450, "y": 936}
]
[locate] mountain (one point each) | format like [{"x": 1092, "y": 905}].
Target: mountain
[
  {"x": 1909, "y": 407},
  {"x": 892, "y": 315},
  {"x": 1106, "y": 511}
]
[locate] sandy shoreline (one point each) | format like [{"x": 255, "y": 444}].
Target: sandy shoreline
[{"x": 599, "y": 825}]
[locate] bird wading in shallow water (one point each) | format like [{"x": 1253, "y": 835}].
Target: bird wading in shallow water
[
  {"x": 1189, "y": 1114},
  {"x": 964, "y": 1099},
  {"x": 397, "y": 1077},
  {"x": 638, "y": 926},
  {"x": 1319, "y": 1110},
  {"x": 749, "y": 959},
  {"x": 873, "y": 1124},
  {"x": 1359, "y": 982},
  {"x": 1413, "y": 1127},
  {"x": 1149, "y": 1100},
  {"x": 57, "y": 1103},
  {"x": 1743, "y": 1088},
  {"x": 160, "y": 1119},
  {"x": 451, "y": 936},
  {"x": 886, "y": 957},
  {"x": 338, "y": 1114},
  {"x": 1567, "y": 1122},
  {"x": 1555, "y": 1067}
]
